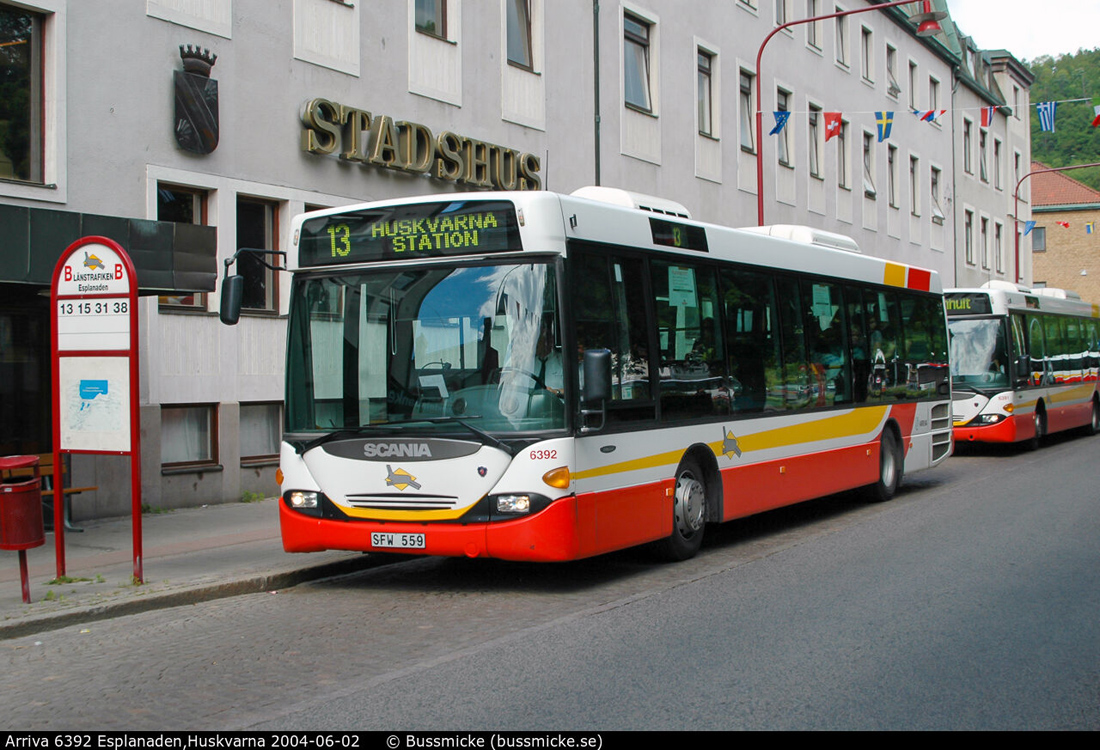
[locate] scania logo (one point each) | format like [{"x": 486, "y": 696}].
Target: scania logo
[{"x": 396, "y": 450}]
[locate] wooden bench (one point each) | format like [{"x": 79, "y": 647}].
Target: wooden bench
[{"x": 45, "y": 470}]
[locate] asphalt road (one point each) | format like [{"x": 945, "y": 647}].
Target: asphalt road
[{"x": 968, "y": 602}]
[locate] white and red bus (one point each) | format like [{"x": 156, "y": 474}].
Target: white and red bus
[
  {"x": 1024, "y": 363},
  {"x": 533, "y": 376}
]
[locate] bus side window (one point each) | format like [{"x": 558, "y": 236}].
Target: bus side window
[
  {"x": 752, "y": 343},
  {"x": 690, "y": 365},
  {"x": 796, "y": 388},
  {"x": 858, "y": 344},
  {"x": 826, "y": 336},
  {"x": 610, "y": 313}
]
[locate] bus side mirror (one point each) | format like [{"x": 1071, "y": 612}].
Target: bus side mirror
[
  {"x": 232, "y": 294},
  {"x": 596, "y": 369}
]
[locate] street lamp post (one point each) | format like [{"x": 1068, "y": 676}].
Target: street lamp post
[
  {"x": 1016, "y": 203},
  {"x": 927, "y": 25}
]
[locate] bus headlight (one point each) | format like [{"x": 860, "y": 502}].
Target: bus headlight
[
  {"x": 304, "y": 501},
  {"x": 988, "y": 418},
  {"x": 513, "y": 504}
]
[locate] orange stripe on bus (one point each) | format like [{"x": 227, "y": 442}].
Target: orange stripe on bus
[{"x": 894, "y": 275}]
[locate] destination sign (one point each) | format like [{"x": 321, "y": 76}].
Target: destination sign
[
  {"x": 967, "y": 304},
  {"x": 680, "y": 236},
  {"x": 409, "y": 232}
]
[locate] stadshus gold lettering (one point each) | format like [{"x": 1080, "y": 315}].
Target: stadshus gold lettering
[{"x": 377, "y": 140}]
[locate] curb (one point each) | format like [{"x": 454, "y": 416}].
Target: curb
[{"x": 187, "y": 595}]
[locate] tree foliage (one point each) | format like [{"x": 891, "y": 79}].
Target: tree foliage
[{"x": 1075, "y": 141}]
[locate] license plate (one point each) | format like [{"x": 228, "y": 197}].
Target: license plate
[{"x": 397, "y": 541}]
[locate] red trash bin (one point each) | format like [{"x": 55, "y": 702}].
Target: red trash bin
[{"x": 21, "y": 525}]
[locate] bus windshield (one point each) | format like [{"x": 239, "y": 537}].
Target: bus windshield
[
  {"x": 426, "y": 347},
  {"x": 979, "y": 356}
]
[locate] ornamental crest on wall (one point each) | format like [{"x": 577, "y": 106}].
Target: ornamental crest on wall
[{"x": 196, "y": 101}]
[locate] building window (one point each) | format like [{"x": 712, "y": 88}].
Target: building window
[
  {"x": 843, "y": 171},
  {"x": 184, "y": 206},
  {"x": 261, "y": 432},
  {"x": 892, "y": 175},
  {"x": 892, "y": 87},
  {"x": 968, "y": 236},
  {"x": 431, "y": 17},
  {"x": 913, "y": 85},
  {"x": 257, "y": 228},
  {"x": 636, "y": 63},
  {"x": 841, "y": 38},
  {"x": 782, "y": 11},
  {"x": 1016, "y": 169},
  {"x": 997, "y": 180},
  {"x": 705, "y": 93},
  {"x": 813, "y": 29},
  {"x": 998, "y": 246},
  {"x": 1039, "y": 240},
  {"x": 188, "y": 435},
  {"x": 783, "y": 140},
  {"x": 1016, "y": 102},
  {"x": 519, "y": 33},
  {"x": 982, "y": 168},
  {"x": 21, "y": 103},
  {"x": 869, "y": 164},
  {"x": 984, "y": 237},
  {"x": 914, "y": 186},
  {"x": 967, "y": 127},
  {"x": 867, "y": 54},
  {"x": 937, "y": 211},
  {"x": 933, "y": 94},
  {"x": 747, "y": 111},
  {"x": 813, "y": 127}
]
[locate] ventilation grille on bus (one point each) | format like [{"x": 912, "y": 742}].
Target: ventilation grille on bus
[
  {"x": 941, "y": 431},
  {"x": 628, "y": 199},
  {"x": 403, "y": 502}
]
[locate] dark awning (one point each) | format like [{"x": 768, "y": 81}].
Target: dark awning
[{"x": 170, "y": 258}]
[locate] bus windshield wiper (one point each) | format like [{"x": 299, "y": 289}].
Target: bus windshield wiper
[
  {"x": 968, "y": 387},
  {"x": 301, "y": 446},
  {"x": 304, "y": 446},
  {"x": 486, "y": 438}
]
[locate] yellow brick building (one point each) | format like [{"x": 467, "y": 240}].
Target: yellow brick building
[{"x": 1064, "y": 253}]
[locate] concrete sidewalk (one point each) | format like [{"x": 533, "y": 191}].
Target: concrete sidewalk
[{"x": 190, "y": 555}]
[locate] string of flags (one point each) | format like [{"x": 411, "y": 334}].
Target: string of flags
[
  {"x": 1090, "y": 226},
  {"x": 885, "y": 119}
]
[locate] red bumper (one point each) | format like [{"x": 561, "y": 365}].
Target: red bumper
[
  {"x": 550, "y": 535},
  {"x": 1006, "y": 431}
]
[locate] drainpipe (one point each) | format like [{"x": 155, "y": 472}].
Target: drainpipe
[{"x": 596, "y": 84}]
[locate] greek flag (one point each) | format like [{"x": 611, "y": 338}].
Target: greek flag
[{"x": 1046, "y": 116}]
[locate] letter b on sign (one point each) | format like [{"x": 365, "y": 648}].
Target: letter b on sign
[{"x": 118, "y": 270}]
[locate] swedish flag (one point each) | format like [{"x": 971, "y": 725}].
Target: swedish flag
[{"x": 885, "y": 121}]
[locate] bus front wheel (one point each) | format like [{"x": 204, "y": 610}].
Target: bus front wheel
[
  {"x": 689, "y": 511},
  {"x": 1040, "y": 429},
  {"x": 890, "y": 467}
]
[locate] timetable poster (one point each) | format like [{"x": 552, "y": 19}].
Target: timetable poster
[{"x": 95, "y": 404}]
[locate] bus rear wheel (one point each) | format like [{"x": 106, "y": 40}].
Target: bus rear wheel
[
  {"x": 1093, "y": 426},
  {"x": 890, "y": 467},
  {"x": 689, "y": 512}
]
